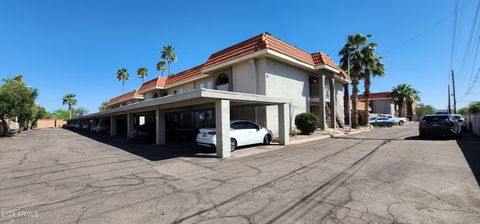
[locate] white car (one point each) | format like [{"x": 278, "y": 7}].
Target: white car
[
  {"x": 241, "y": 133},
  {"x": 397, "y": 120}
]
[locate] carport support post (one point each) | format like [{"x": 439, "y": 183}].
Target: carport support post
[
  {"x": 113, "y": 125},
  {"x": 283, "y": 124},
  {"x": 129, "y": 123},
  {"x": 333, "y": 106},
  {"x": 222, "y": 124},
  {"x": 159, "y": 126},
  {"x": 321, "y": 100}
]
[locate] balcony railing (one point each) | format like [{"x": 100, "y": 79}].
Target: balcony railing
[{"x": 314, "y": 91}]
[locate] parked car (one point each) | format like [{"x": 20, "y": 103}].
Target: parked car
[
  {"x": 396, "y": 120},
  {"x": 241, "y": 133},
  {"x": 444, "y": 125},
  {"x": 145, "y": 132},
  {"x": 461, "y": 121},
  {"x": 102, "y": 127},
  {"x": 174, "y": 131},
  {"x": 381, "y": 121}
]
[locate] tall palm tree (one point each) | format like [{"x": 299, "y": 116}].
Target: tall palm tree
[
  {"x": 103, "y": 106},
  {"x": 412, "y": 97},
  {"x": 161, "y": 66},
  {"x": 355, "y": 51},
  {"x": 70, "y": 100},
  {"x": 122, "y": 74},
  {"x": 405, "y": 95},
  {"x": 169, "y": 56},
  {"x": 373, "y": 68},
  {"x": 142, "y": 72}
]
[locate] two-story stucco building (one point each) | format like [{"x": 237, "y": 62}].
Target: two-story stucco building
[{"x": 262, "y": 79}]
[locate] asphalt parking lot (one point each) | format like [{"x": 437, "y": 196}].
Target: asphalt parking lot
[{"x": 387, "y": 175}]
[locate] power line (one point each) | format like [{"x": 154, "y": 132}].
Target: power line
[
  {"x": 466, "y": 59},
  {"x": 427, "y": 29}
]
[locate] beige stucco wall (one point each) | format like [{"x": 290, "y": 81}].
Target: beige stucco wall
[
  {"x": 50, "y": 123},
  {"x": 285, "y": 81}
]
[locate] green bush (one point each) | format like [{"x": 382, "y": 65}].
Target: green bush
[{"x": 306, "y": 123}]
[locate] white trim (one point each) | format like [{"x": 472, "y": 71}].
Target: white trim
[
  {"x": 289, "y": 59},
  {"x": 327, "y": 67}
]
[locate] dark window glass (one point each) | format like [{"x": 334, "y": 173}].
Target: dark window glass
[{"x": 432, "y": 119}]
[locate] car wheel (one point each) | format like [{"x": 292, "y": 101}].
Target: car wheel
[
  {"x": 421, "y": 135},
  {"x": 233, "y": 144},
  {"x": 266, "y": 140},
  {"x": 389, "y": 125},
  {"x": 401, "y": 123}
]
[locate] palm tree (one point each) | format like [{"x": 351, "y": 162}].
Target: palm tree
[
  {"x": 122, "y": 74},
  {"x": 373, "y": 68},
  {"x": 161, "y": 66},
  {"x": 412, "y": 97},
  {"x": 406, "y": 96},
  {"x": 19, "y": 78},
  {"x": 169, "y": 56},
  {"x": 142, "y": 72},
  {"x": 70, "y": 100},
  {"x": 355, "y": 55},
  {"x": 103, "y": 106}
]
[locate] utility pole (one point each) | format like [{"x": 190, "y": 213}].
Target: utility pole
[
  {"x": 454, "y": 97},
  {"x": 449, "y": 107}
]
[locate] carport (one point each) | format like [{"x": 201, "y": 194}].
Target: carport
[{"x": 221, "y": 101}]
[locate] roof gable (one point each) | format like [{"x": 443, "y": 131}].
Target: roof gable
[{"x": 125, "y": 97}]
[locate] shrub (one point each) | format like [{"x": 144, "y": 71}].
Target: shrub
[{"x": 306, "y": 123}]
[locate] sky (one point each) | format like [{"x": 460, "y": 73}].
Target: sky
[{"x": 76, "y": 47}]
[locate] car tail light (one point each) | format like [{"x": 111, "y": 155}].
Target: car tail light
[{"x": 212, "y": 132}]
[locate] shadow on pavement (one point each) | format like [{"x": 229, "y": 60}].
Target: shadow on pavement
[
  {"x": 470, "y": 146},
  {"x": 152, "y": 152}
]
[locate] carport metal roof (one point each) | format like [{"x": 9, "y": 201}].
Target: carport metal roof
[{"x": 190, "y": 98}]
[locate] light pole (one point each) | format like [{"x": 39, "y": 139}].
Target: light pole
[{"x": 349, "y": 100}]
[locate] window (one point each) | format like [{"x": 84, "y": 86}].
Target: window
[
  {"x": 244, "y": 125},
  {"x": 155, "y": 95},
  {"x": 222, "y": 79}
]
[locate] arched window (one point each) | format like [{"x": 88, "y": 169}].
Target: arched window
[
  {"x": 222, "y": 82},
  {"x": 222, "y": 79},
  {"x": 155, "y": 95}
]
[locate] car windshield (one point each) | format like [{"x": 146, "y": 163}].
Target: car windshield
[
  {"x": 458, "y": 117},
  {"x": 432, "y": 119},
  {"x": 373, "y": 118}
]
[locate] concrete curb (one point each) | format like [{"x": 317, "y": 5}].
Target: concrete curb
[{"x": 309, "y": 139}]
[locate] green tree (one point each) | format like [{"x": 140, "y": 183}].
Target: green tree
[
  {"x": 80, "y": 112},
  {"x": 123, "y": 75},
  {"x": 358, "y": 54},
  {"x": 412, "y": 97},
  {"x": 39, "y": 112},
  {"x": 404, "y": 94},
  {"x": 373, "y": 68},
  {"x": 70, "y": 100},
  {"x": 474, "y": 107},
  {"x": 169, "y": 56},
  {"x": 161, "y": 66},
  {"x": 142, "y": 72},
  {"x": 423, "y": 109},
  {"x": 463, "y": 110},
  {"x": 16, "y": 101},
  {"x": 103, "y": 106},
  {"x": 58, "y": 114}
]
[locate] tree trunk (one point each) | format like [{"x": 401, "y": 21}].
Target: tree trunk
[
  {"x": 70, "y": 110},
  {"x": 5, "y": 128},
  {"x": 400, "y": 108},
  {"x": 410, "y": 111},
  {"x": 346, "y": 102},
  {"x": 169, "y": 71},
  {"x": 354, "y": 101},
  {"x": 123, "y": 85},
  {"x": 366, "y": 119}
]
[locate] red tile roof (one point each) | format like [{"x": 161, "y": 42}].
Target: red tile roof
[
  {"x": 379, "y": 95},
  {"x": 152, "y": 84},
  {"x": 124, "y": 97},
  {"x": 267, "y": 41},
  {"x": 184, "y": 75}
]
